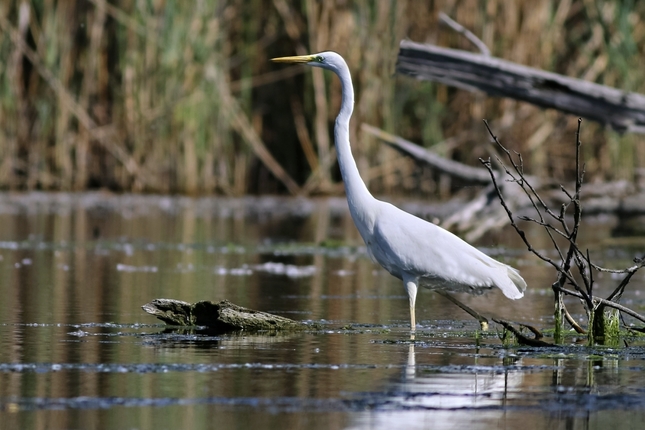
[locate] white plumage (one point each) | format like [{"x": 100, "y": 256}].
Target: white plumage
[{"x": 419, "y": 253}]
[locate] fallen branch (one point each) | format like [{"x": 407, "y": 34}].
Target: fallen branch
[
  {"x": 469, "y": 174},
  {"x": 524, "y": 340}
]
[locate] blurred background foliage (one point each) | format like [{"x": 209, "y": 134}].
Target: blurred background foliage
[{"x": 180, "y": 97}]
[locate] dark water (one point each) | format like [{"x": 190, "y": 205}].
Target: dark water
[{"x": 77, "y": 351}]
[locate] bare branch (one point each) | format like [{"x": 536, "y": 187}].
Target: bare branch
[
  {"x": 519, "y": 231},
  {"x": 543, "y": 224},
  {"x": 604, "y": 302},
  {"x": 573, "y": 322},
  {"x": 574, "y": 255},
  {"x": 530, "y": 191},
  {"x": 618, "y": 292},
  {"x": 483, "y": 49},
  {"x": 635, "y": 268}
]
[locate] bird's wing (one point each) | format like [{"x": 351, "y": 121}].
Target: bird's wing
[{"x": 422, "y": 249}]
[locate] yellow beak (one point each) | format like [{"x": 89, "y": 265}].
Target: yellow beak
[{"x": 296, "y": 59}]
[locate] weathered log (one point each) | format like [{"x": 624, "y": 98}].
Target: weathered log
[
  {"x": 623, "y": 111},
  {"x": 223, "y": 316}
]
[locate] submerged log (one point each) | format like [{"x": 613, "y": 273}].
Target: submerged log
[
  {"x": 223, "y": 316},
  {"x": 524, "y": 340}
]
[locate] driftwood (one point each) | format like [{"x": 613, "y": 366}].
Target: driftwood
[
  {"x": 623, "y": 111},
  {"x": 222, "y": 317}
]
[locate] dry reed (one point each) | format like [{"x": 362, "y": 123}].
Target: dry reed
[{"x": 174, "y": 96}]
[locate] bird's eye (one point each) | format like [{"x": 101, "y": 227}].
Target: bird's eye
[{"x": 319, "y": 59}]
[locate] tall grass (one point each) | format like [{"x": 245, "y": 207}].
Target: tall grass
[{"x": 170, "y": 96}]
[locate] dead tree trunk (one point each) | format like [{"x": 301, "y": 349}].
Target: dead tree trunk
[{"x": 623, "y": 111}]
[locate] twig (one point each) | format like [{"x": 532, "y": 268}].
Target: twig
[
  {"x": 618, "y": 292},
  {"x": 525, "y": 183},
  {"x": 573, "y": 322},
  {"x": 634, "y": 268},
  {"x": 483, "y": 49},
  {"x": 574, "y": 256},
  {"x": 577, "y": 216},
  {"x": 605, "y": 302},
  {"x": 529, "y": 190},
  {"x": 543, "y": 224},
  {"x": 519, "y": 231}
]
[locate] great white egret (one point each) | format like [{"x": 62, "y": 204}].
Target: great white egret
[{"x": 415, "y": 251}]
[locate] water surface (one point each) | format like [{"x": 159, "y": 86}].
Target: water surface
[{"x": 77, "y": 351}]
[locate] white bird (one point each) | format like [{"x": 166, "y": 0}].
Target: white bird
[{"x": 419, "y": 253}]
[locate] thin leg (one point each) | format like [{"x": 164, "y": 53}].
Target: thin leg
[
  {"x": 411, "y": 368},
  {"x": 413, "y": 322},
  {"x": 410, "y": 285}
]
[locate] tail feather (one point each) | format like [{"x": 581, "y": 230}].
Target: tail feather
[
  {"x": 519, "y": 284},
  {"x": 507, "y": 278}
]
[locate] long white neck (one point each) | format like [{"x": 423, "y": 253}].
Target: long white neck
[{"x": 358, "y": 196}]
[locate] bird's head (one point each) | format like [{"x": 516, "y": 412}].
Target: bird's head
[{"x": 327, "y": 60}]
